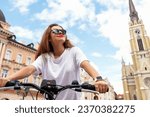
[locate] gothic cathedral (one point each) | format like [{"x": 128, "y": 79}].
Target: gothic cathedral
[{"x": 136, "y": 77}]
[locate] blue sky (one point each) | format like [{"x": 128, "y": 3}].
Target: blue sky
[{"x": 99, "y": 27}]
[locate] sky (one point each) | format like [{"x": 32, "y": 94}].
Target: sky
[{"x": 98, "y": 27}]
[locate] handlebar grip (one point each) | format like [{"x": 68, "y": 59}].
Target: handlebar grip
[
  {"x": 88, "y": 86},
  {"x": 11, "y": 83}
]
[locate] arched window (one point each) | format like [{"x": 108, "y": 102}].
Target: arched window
[
  {"x": 139, "y": 40},
  {"x": 28, "y": 61},
  {"x": 8, "y": 55},
  {"x": 19, "y": 58},
  {"x": 95, "y": 97},
  {"x": 134, "y": 97},
  {"x": 4, "y": 73},
  {"x": 140, "y": 44}
]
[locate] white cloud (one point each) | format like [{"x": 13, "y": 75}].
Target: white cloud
[
  {"x": 69, "y": 12},
  {"x": 96, "y": 54},
  {"x": 113, "y": 3},
  {"x": 143, "y": 10},
  {"x": 113, "y": 74},
  {"x": 23, "y": 5},
  {"x": 22, "y": 32},
  {"x": 95, "y": 66},
  {"x": 26, "y": 35},
  {"x": 114, "y": 26},
  {"x": 74, "y": 39},
  {"x": 83, "y": 27},
  {"x": 38, "y": 35},
  {"x": 118, "y": 86}
]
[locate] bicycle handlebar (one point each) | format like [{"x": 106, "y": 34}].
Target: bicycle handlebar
[
  {"x": 16, "y": 84},
  {"x": 49, "y": 87}
]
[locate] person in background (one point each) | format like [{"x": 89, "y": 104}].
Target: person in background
[{"x": 57, "y": 59}]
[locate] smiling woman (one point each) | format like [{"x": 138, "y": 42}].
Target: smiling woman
[{"x": 48, "y": 40}]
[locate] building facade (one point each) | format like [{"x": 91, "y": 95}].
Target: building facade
[
  {"x": 13, "y": 54},
  {"x": 136, "y": 77}
]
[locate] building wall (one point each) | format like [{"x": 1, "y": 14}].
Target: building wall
[{"x": 9, "y": 63}]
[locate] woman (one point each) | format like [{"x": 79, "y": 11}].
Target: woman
[{"x": 59, "y": 60}]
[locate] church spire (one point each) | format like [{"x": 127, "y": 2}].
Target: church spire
[{"x": 133, "y": 13}]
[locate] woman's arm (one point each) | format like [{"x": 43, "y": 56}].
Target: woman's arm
[
  {"x": 100, "y": 85},
  {"x": 89, "y": 69},
  {"x": 24, "y": 72}
]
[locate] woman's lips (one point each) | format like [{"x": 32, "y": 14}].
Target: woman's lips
[{"x": 60, "y": 36}]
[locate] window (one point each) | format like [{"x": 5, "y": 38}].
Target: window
[
  {"x": 8, "y": 55},
  {"x": 139, "y": 40},
  {"x": 140, "y": 44},
  {"x": 147, "y": 82},
  {"x": 4, "y": 73},
  {"x": 28, "y": 62},
  {"x": 95, "y": 97},
  {"x": 134, "y": 97},
  {"x": 26, "y": 80},
  {"x": 19, "y": 58},
  {"x": 137, "y": 31}
]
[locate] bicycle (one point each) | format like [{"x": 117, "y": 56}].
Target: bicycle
[{"x": 49, "y": 89}]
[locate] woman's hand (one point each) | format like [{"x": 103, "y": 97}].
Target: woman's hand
[
  {"x": 3, "y": 82},
  {"x": 101, "y": 86}
]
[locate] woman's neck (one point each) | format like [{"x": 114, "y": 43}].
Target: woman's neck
[{"x": 58, "y": 50}]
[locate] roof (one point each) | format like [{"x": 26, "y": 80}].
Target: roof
[{"x": 2, "y": 17}]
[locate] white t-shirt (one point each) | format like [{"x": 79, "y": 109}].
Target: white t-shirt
[{"x": 63, "y": 70}]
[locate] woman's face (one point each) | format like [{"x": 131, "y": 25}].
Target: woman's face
[{"x": 58, "y": 35}]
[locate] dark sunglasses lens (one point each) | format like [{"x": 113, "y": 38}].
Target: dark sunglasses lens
[
  {"x": 64, "y": 31},
  {"x": 55, "y": 31},
  {"x": 58, "y": 31}
]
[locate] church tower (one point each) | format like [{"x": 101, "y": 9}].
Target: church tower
[{"x": 136, "y": 77}]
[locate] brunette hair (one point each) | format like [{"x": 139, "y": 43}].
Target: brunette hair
[{"x": 45, "y": 45}]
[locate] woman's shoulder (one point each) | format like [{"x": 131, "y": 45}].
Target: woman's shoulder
[
  {"x": 45, "y": 55},
  {"x": 74, "y": 49}
]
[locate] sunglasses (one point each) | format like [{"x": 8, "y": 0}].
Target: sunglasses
[{"x": 59, "y": 31}]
